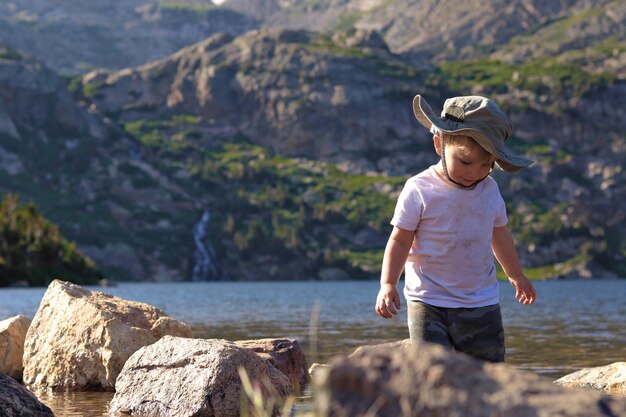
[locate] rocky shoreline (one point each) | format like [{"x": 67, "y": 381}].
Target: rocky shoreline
[{"x": 82, "y": 340}]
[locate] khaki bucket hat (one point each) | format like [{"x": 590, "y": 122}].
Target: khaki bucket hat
[{"x": 477, "y": 117}]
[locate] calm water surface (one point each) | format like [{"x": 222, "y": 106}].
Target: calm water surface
[{"x": 573, "y": 324}]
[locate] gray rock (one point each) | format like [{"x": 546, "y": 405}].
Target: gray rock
[
  {"x": 430, "y": 381},
  {"x": 610, "y": 378},
  {"x": 17, "y": 401},
  {"x": 401, "y": 344},
  {"x": 192, "y": 377},
  {"x": 285, "y": 355}
]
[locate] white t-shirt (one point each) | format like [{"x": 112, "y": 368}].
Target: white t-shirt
[{"x": 450, "y": 263}]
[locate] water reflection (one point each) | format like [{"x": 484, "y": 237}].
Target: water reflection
[{"x": 76, "y": 404}]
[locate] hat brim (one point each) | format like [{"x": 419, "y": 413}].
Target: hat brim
[{"x": 505, "y": 158}]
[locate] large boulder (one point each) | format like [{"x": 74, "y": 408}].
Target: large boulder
[
  {"x": 193, "y": 377},
  {"x": 17, "y": 401},
  {"x": 430, "y": 381},
  {"x": 80, "y": 340},
  {"x": 610, "y": 378},
  {"x": 285, "y": 355},
  {"x": 12, "y": 334}
]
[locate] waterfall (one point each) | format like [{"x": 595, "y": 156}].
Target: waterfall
[{"x": 206, "y": 265}]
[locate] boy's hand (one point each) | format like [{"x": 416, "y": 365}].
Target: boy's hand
[
  {"x": 387, "y": 301},
  {"x": 524, "y": 289}
]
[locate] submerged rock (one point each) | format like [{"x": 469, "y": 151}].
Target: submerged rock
[
  {"x": 80, "y": 340},
  {"x": 430, "y": 381},
  {"x": 610, "y": 378},
  {"x": 12, "y": 334},
  {"x": 192, "y": 377}
]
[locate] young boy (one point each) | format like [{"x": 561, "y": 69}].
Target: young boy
[{"x": 449, "y": 222}]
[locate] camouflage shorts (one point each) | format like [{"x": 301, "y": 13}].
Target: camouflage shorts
[{"x": 477, "y": 332}]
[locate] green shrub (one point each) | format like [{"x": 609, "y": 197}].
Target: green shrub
[
  {"x": 545, "y": 76},
  {"x": 9, "y": 53},
  {"x": 33, "y": 249}
]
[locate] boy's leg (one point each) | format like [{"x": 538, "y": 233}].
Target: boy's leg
[
  {"x": 478, "y": 332},
  {"x": 428, "y": 323}
]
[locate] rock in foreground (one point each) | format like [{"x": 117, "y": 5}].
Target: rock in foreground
[
  {"x": 429, "y": 381},
  {"x": 180, "y": 377},
  {"x": 610, "y": 378},
  {"x": 80, "y": 340},
  {"x": 12, "y": 334},
  {"x": 17, "y": 401}
]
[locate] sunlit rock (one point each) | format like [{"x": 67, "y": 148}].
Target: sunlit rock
[
  {"x": 284, "y": 354},
  {"x": 316, "y": 367},
  {"x": 386, "y": 346},
  {"x": 12, "y": 334},
  {"x": 192, "y": 377},
  {"x": 610, "y": 378},
  {"x": 80, "y": 340},
  {"x": 430, "y": 381}
]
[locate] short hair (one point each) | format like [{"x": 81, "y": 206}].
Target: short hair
[
  {"x": 458, "y": 140},
  {"x": 464, "y": 142}
]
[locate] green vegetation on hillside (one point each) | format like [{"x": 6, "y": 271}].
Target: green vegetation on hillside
[
  {"x": 198, "y": 11},
  {"x": 186, "y": 6},
  {"x": 347, "y": 21},
  {"x": 546, "y": 78},
  {"x": 324, "y": 44},
  {"x": 280, "y": 207},
  {"x": 32, "y": 249},
  {"x": 9, "y": 53}
]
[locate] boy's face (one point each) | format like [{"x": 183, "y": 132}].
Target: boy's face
[{"x": 467, "y": 162}]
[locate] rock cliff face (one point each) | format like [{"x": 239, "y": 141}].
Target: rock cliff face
[
  {"x": 75, "y": 37},
  {"x": 299, "y": 93},
  {"x": 347, "y": 98},
  {"x": 456, "y": 29},
  {"x": 86, "y": 175}
]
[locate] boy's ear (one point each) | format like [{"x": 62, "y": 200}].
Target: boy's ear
[{"x": 437, "y": 143}]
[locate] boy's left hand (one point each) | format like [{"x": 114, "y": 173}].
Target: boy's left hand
[{"x": 524, "y": 289}]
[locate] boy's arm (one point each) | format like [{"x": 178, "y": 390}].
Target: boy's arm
[
  {"x": 396, "y": 252},
  {"x": 504, "y": 250}
]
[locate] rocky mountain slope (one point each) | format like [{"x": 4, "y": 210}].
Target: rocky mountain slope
[
  {"x": 346, "y": 100},
  {"x": 280, "y": 152},
  {"x": 85, "y": 175},
  {"x": 75, "y": 37},
  {"x": 452, "y": 30},
  {"x": 283, "y": 89}
]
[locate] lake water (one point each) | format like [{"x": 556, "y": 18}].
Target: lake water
[{"x": 572, "y": 325}]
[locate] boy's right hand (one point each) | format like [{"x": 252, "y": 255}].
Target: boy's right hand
[{"x": 387, "y": 301}]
